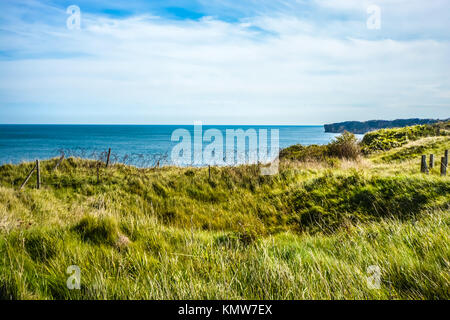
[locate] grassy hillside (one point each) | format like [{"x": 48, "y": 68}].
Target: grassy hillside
[
  {"x": 311, "y": 231},
  {"x": 387, "y": 139}
]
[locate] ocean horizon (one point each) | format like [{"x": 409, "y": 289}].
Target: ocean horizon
[{"x": 140, "y": 145}]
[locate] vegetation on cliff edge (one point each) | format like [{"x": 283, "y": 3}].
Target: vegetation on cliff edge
[{"x": 308, "y": 232}]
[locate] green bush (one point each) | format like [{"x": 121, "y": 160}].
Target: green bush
[{"x": 344, "y": 146}]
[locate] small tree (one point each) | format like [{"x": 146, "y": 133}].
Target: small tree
[{"x": 345, "y": 146}]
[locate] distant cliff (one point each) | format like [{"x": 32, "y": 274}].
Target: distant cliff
[{"x": 359, "y": 127}]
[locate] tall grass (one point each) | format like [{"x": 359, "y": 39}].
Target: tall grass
[
  {"x": 309, "y": 232},
  {"x": 170, "y": 263}
]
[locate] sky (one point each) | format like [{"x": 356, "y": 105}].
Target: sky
[{"x": 289, "y": 62}]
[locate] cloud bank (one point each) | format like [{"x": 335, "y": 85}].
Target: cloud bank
[{"x": 285, "y": 62}]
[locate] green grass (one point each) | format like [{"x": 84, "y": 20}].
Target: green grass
[
  {"x": 309, "y": 232},
  {"x": 387, "y": 139},
  {"x": 169, "y": 263},
  {"x": 413, "y": 150}
]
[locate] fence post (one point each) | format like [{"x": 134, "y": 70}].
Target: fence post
[
  {"x": 446, "y": 157},
  {"x": 27, "y": 178},
  {"x": 423, "y": 165},
  {"x": 38, "y": 175},
  {"x": 58, "y": 163},
  {"x": 431, "y": 161},
  {"x": 209, "y": 172},
  {"x": 443, "y": 167},
  {"x": 107, "y": 159}
]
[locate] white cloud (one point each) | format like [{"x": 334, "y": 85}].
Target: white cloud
[{"x": 150, "y": 70}]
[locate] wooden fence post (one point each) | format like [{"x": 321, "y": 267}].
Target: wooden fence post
[
  {"x": 423, "y": 165},
  {"x": 446, "y": 157},
  {"x": 58, "y": 163},
  {"x": 38, "y": 175},
  {"x": 209, "y": 172},
  {"x": 107, "y": 159},
  {"x": 27, "y": 178},
  {"x": 98, "y": 172},
  {"x": 443, "y": 167},
  {"x": 431, "y": 161}
]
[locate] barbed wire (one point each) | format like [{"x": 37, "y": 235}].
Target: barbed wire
[{"x": 139, "y": 160}]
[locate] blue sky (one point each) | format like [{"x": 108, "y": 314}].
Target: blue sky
[{"x": 223, "y": 62}]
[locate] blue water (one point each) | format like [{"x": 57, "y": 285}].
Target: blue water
[{"x": 140, "y": 145}]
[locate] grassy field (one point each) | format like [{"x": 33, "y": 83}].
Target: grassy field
[{"x": 309, "y": 232}]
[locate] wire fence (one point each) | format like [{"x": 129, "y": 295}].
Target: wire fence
[
  {"x": 139, "y": 160},
  {"x": 102, "y": 160}
]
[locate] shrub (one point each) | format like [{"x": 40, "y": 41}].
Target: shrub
[{"x": 344, "y": 146}]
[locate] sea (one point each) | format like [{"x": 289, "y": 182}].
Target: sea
[{"x": 139, "y": 145}]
